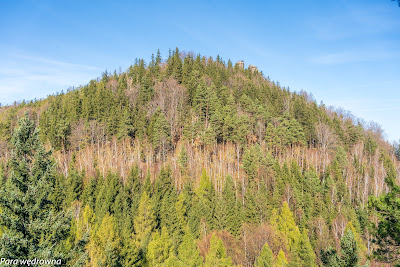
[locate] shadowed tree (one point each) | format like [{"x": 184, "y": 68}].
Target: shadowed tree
[{"x": 387, "y": 230}]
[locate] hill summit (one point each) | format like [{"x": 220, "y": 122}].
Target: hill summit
[{"x": 194, "y": 160}]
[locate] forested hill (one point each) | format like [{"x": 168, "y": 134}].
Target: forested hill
[{"x": 192, "y": 161}]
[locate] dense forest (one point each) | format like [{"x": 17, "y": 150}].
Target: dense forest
[{"x": 194, "y": 161}]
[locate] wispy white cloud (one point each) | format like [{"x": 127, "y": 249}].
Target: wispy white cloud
[
  {"x": 53, "y": 62},
  {"x": 26, "y": 77}
]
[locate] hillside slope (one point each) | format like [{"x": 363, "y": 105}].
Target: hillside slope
[{"x": 196, "y": 161}]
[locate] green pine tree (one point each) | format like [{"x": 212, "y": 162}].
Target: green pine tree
[
  {"x": 306, "y": 251},
  {"x": 104, "y": 246},
  {"x": 159, "y": 248},
  {"x": 348, "y": 244},
  {"x": 31, "y": 228},
  {"x": 281, "y": 260},
  {"x": 330, "y": 258},
  {"x": 387, "y": 232},
  {"x": 234, "y": 208},
  {"x": 74, "y": 187},
  {"x": 188, "y": 253},
  {"x": 266, "y": 258},
  {"x": 216, "y": 255},
  {"x": 144, "y": 223}
]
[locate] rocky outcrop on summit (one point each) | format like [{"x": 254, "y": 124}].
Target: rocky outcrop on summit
[
  {"x": 240, "y": 64},
  {"x": 253, "y": 68}
]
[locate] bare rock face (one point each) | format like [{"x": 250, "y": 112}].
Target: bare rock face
[
  {"x": 253, "y": 68},
  {"x": 240, "y": 64}
]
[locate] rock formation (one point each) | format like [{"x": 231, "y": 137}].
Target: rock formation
[
  {"x": 240, "y": 64},
  {"x": 253, "y": 68}
]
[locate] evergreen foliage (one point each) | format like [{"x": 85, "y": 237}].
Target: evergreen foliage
[
  {"x": 387, "y": 231},
  {"x": 216, "y": 255},
  {"x": 31, "y": 227},
  {"x": 266, "y": 258},
  {"x": 153, "y": 162}
]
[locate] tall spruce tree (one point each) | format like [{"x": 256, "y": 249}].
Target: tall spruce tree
[
  {"x": 216, "y": 255},
  {"x": 104, "y": 245},
  {"x": 234, "y": 209},
  {"x": 348, "y": 244},
  {"x": 281, "y": 260},
  {"x": 159, "y": 248},
  {"x": 387, "y": 232},
  {"x": 266, "y": 258},
  {"x": 32, "y": 228},
  {"x": 188, "y": 253}
]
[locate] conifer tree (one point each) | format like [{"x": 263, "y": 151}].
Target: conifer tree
[
  {"x": 203, "y": 101},
  {"x": 104, "y": 245},
  {"x": 146, "y": 90},
  {"x": 133, "y": 188},
  {"x": 349, "y": 248},
  {"x": 187, "y": 69},
  {"x": 59, "y": 193},
  {"x": 349, "y": 255},
  {"x": 125, "y": 127},
  {"x": 306, "y": 252},
  {"x": 204, "y": 202},
  {"x": 360, "y": 245},
  {"x": 86, "y": 223},
  {"x": 241, "y": 128},
  {"x": 161, "y": 133},
  {"x": 296, "y": 134},
  {"x": 266, "y": 258},
  {"x": 234, "y": 209},
  {"x": 271, "y": 136},
  {"x": 74, "y": 187},
  {"x": 159, "y": 248},
  {"x": 387, "y": 232},
  {"x": 164, "y": 199},
  {"x": 90, "y": 192},
  {"x": 216, "y": 255},
  {"x": 188, "y": 253},
  {"x": 281, "y": 260},
  {"x": 288, "y": 227},
  {"x": 144, "y": 223},
  {"x": 31, "y": 227},
  {"x": 262, "y": 202},
  {"x": 330, "y": 257},
  {"x": 177, "y": 66},
  {"x": 158, "y": 62},
  {"x": 252, "y": 161},
  {"x": 220, "y": 214},
  {"x": 147, "y": 186},
  {"x": 109, "y": 190},
  {"x": 250, "y": 208}
]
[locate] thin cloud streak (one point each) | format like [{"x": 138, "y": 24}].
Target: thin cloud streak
[
  {"x": 29, "y": 77},
  {"x": 55, "y": 62}
]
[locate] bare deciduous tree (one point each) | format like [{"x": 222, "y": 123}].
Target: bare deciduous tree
[
  {"x": 326, "y": 137},
  {"x": 170, "y": 97}
]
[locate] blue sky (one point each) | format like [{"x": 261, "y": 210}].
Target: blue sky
[{"x": 346, "y": 53}]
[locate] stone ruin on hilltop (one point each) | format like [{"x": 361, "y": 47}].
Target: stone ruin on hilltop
[{"x": 240, "y": 64}]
